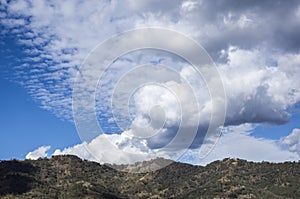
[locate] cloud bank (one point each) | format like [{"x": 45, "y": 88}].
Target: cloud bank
[{"x": 235, "y": 142}]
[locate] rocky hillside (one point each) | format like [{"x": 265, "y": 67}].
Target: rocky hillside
[{"x": 71, "y": 177}]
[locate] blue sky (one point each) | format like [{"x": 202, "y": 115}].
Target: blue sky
[
  {"x": 24, "y": 125},
  {"x": 277, "y": 131},
  {"x": 44, "y": 46}
]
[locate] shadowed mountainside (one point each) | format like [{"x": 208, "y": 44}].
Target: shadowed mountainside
[{"x": 70, "y": 177}]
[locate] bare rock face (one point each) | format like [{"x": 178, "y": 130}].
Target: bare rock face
[{"x": 71, "y": 177}]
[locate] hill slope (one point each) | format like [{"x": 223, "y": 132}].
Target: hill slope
[{"x": 71, "y": 177}]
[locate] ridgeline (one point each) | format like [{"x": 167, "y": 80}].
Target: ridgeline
[{"x": 70, "y": 177}]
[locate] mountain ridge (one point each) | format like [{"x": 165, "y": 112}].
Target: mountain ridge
[{"x": 68, "y": 176}]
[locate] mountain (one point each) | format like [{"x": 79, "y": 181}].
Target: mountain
[{"x": 70, "y": 177}]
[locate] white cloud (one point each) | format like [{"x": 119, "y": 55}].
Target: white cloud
[
  {"x": 237, "y": 142},
  {"x": 258, "y": 92},
  {"x": 188, "y": 6},
  {"x": 292, "y": 141},
  {"x": 115, "y": 148},
  {"x": 41, "y": 152}
]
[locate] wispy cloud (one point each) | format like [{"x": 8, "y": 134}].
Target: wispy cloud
[{"x": 59, "y": 35}]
